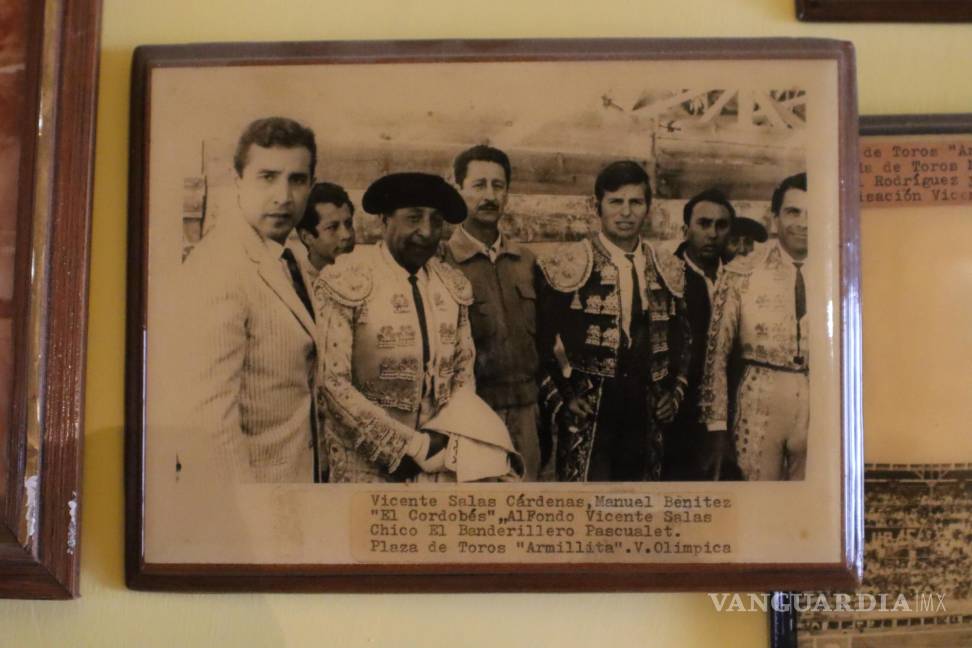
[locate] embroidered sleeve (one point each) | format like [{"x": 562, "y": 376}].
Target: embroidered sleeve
[
  {"x": 465, "y": 353},
  {"x": 723, "y": 328},
  {"x": 377, "y": 436}
]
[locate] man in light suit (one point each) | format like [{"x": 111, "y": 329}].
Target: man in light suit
[{"x": 250, "y": 321}]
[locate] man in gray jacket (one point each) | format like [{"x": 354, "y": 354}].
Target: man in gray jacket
[{"x": 503, "y": 315}]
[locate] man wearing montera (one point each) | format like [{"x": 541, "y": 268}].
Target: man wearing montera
[
  {"x": 615, "y": 309},
  {"x": 398, "y": 383},
  {"x": 708, "y": 218},
  {"x": 326, "y": 228},
  {"x": 503, "y": 314},
  {"x": 760, "y": 308},
  {"x": 249, "y": 322}
]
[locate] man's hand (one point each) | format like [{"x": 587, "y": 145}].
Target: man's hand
[
  {"x": 580, "y": 408},
  {"x": 434, "y": 459},
  {"x": 713, "y": 453},
  {"x": 666, "y": 408}
]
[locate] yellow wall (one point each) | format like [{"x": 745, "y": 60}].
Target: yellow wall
[{"x": 903, "y": 68}]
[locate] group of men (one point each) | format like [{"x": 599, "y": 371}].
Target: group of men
[{"x": 468, "y": 358}]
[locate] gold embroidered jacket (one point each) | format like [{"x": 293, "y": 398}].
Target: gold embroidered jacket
[
  {"x": 754, "y": 313},
  {"x": 373, "y": 388},
  {"x": 580, "y": 303}
]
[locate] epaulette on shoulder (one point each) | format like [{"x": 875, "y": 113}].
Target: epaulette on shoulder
[
  {"x": 348, "y": 281},
  {"x": 568, "y": 267},
  {"x": 455, "y": 282},
  {"x": 671, "y": 269}
]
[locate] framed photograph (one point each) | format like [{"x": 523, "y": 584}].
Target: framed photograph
[
  {"x": 916, "y": 187},
  {"x": 885, "y": 10},
  {"x": 48, "y": 88},
  {"x": 493, "y": 315}
]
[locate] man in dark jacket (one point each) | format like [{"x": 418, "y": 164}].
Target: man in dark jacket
[
  {"x": 708, "y": 219},
  {"x": 503, "y": 315}
]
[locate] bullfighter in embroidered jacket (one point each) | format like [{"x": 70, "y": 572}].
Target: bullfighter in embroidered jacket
[
  {"x": 759, "y": 310},
  {"x": 615, "y": 306},
  {"x": 398, "y": 347}
]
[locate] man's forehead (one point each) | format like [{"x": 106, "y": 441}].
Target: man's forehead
[
  {"x": 640, "y": 187},
  {"x": 709, "y": 209},
  {"x": 332, "y": 210},
  {"x": 484, "y": 168},
  {"x": 268, "y": 157}
]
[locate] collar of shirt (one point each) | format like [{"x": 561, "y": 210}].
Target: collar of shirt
[
  {"x": 709, "y": 283},
  {"x": 620, "y": 260},
  {"x": 276, "y": 250},
  {"x": 398, "y": 270},
  {"x": 473, "y": 246},
  {"x": 785, "y": 256}
]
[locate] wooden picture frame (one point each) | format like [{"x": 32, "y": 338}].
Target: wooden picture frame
[
  {"x": 935, "y": 11},
  {"x": 155, "y": 469},
  {"x": 786, "y": 629},
  {"x": 41, "y": 438}
]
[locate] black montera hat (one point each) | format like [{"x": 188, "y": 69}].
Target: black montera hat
[
  {"x": 742, "y": 226},
  {"x": 396, "y": 190}
]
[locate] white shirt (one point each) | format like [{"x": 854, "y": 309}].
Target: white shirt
[
  {"x": 423, "y": 288},
  {"x": 620, "y": 260},
  {"x": 709, "y": 284}
]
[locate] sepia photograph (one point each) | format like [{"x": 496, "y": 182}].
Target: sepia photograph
[{"x": 394, "y": 303}]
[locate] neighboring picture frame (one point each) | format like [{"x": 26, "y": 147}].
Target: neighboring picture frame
[
  {"x": 908, "y": 472},
  {"x": 49, "y": 89},
  {"x": 213, "y": 503},
  {"x": 942, "y": 11}
]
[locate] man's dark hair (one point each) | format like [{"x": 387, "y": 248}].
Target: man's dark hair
[
  {"x": 482, "y": 153},
  {"x": 274, "y": 131},
  {"x": 711, "y": 196},
  {"x": 797, "y": 181},
  {"x": 618, "y": 174},
  {"x": 320, "y": 194}
]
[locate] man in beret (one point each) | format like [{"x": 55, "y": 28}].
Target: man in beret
[
  {"x": 502, "y": 273},
  {"x": 743, "y": 235},
  {"x": 760, "y": 309},
  {"x": 398, "y": 384}
]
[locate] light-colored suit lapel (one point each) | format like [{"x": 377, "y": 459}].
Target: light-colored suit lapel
[{"x": 271, "y": 271}]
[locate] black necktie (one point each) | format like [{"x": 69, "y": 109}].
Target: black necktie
[
  {"x": 420, "y": 309},
  {"x": 636, "y": 305},
  {"x": 298, "y": 280},
  {"x": 800, "y": 297}
]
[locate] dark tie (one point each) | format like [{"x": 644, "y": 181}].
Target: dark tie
[
  {"x": 420, "y": 309},
  {"x": 301, "y": 289},
  {"x": 636, "y": 305},
  {"x": 800, "y": 297},
  {"x": 298, "y": 280}
]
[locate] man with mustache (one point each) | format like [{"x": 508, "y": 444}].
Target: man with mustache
[
  {"x": 399, "y": 353},
  {"x": 760, "y": 308},
  {"x": 251, "y": 350},
  {"x": 503, "y": 315},
  {"x": 616, "y": 307},
  {"x": 708, "y": 220}
]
